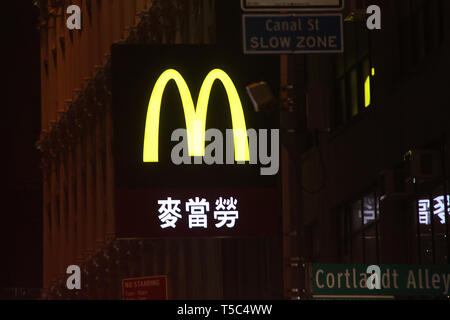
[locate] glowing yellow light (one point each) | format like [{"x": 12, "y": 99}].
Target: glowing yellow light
[
  {"x": 367, "y": 89},
  {"x": 367, "y": 92},
  {"x": 195, "y": 116}
]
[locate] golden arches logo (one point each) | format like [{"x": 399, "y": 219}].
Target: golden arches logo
[{"x": 195, "y": 116}]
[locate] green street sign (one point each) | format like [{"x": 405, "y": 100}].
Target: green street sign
[{"x": 393, "y": 280}]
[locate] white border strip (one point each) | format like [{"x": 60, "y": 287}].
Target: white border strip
[{"x": 291, "y": 8}]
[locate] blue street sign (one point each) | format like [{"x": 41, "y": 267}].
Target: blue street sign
[{"x": 284, "y": 34}]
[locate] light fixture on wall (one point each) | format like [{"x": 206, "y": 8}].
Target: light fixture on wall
[{"x": 261, "y": 96}]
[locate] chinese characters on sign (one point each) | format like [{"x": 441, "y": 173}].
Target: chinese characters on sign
[
  {"x": 197, "y": 213},
  {"x": 438, "y": 209},
  {"x": 225, "y": 213},
  {"x": 170, "y": 213},
  {"x": 198, "y": 209}
]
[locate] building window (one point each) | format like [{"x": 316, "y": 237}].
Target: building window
[
  {"x": 432, "y": 233},
  {"x": 421, "y": 30},
  {"x": 359, "y": 230},
  {"x": 353, "y": 73}
]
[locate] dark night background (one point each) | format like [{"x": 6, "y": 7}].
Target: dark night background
[
  {"x": 20, "y": 226},
  {"x": 411, "y": 77},
  {"x": 21, "y": 190}
]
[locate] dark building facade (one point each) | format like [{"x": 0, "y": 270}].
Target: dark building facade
[
  {"x": 78, "y": 163},
  {"x": 359, "y": 193},
  {"x": 364, "y": 164},
  {"x": 21, "y": 188}
]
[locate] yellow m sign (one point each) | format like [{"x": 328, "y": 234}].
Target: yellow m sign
[{"x": 195, "y": 116}]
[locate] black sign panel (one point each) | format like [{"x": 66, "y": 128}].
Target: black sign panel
[
  {"x": 136, "y": 69},
  {"x": 169, "y": 213}
]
